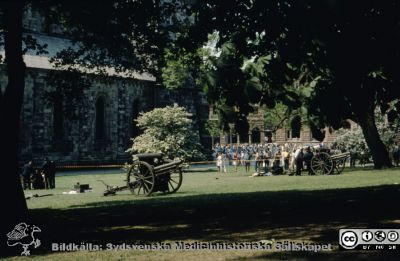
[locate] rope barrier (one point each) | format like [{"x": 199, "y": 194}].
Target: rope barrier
[
  {"x": 89, "y": 167},
  {"x": 113, "y": 166}
]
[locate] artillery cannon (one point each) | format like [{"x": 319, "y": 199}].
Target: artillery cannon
[
  {"x": 324, "y": 163},
  {"x": 151, "y": 172}
]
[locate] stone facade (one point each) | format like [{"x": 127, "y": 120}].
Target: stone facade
[
  {"x": 101, "y": 131},
  {"x": 258, "y": 133},
  {"x": 77, "y": 142},
  {"x": 284, "y": 135}
]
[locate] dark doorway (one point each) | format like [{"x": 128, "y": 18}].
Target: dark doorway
[
  {"x": 255, "y": 135},
  {"x": 268, "y": 136},
  {"x": 296, "y": 127},
  {"x": 234, "y": 137},
  {"x": 244, "y": 138}
]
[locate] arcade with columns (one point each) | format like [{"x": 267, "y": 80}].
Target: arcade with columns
[{"x": 259, "y": 133}]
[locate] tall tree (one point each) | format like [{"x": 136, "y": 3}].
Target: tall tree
[
  {"x": 118, "y": 36},
  {"x": 12, "y": 197},
  {"x": 338, "y": 56}
]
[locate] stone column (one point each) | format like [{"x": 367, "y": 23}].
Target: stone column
[
  {"x": 280, "y": 136},
  {"x": 262, "y": 136},
  {"x": 222, "y": 138},
  {"x": 305, "y": 134}
]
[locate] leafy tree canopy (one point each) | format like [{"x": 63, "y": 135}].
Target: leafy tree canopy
[
  {"x": 324, "y": 55},
  {"x": 183, "y": 66},
  {"x": 212, "y": 127}
]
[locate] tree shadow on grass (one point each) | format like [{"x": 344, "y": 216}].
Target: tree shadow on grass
[
  {"x": 233, "y": 217},
  {"x": 368, "y": 169},
  {"x": 337, "y": 255}
]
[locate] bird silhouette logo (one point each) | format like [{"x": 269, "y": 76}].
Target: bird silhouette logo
[{"x": 23, "y": 235}]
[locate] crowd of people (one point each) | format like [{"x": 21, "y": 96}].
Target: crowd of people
[
  {"x": 267, "y": 159},
  {"x": 39, "y": 178}
]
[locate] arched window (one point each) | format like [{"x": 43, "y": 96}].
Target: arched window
[
  {"x": 100, "y": 126},
  {"x": 234, "y": 137},
  {"x": 268, "y": 136},
  {"x": 135, "y": 113},
  {"x": 296, "y": 127},
  {"x": 255, "y": 135},
  {"x": 58, "y": 121}
]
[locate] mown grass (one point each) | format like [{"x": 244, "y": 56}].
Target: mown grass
[
  {"x": 203, "y": 183},
  {"x": 212, "y": 207}
]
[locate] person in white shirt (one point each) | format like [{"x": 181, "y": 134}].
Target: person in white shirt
[
  {"x": 219, "y": 162},
  {"x": 223, "y": 163},
  {"x": 298, "y": 157}
]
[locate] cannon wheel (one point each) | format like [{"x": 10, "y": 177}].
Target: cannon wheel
[
  {"x": 322, "y": 164},
  {"x": 175, "y": 180},
  {"x": 141, "y": 179},
  {"x": 339, "y": 166}
]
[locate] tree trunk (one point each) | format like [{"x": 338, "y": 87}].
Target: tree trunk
[
  {"x": 379, "y": 152},
  {"x": 12, "y": 197}
]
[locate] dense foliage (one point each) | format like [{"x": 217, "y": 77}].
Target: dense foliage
[
  {"x": 167, "y": 130},
  {"x": 353, "y": 140},
  {"x": 322, "y": 55}
]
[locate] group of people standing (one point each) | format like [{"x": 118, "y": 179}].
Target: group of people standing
[
  {"x": 39, "y": 178},
  {"x": 266, "y": 158}
]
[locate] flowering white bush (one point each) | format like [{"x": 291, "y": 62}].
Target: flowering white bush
[
  {"x": 353, "y": 140},
  {"x": 168, "y": 130}
]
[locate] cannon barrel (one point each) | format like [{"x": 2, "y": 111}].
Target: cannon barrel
[
  {"x": 168, "y": 166},
  {"x": 341, "y": 156}
]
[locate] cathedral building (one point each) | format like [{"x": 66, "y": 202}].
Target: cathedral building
[{"x": 103, "y": 125}]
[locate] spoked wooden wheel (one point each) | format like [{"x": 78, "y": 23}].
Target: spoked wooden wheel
[
  {"x": 141, "y": 179},
  {"x": 339, "y": 166},
  {"x": 322, "y": 164},
  {"x": 174, "y": 180}
]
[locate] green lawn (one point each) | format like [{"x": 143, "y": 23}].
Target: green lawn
[
  {"x": 205, "y": 184},
  {"x": 212, "y": 207}
]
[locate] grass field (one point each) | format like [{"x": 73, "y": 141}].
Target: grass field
[{"x": 215, "y": 207}]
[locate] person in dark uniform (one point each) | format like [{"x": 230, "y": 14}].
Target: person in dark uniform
[
  {"x": 27, "y": 171},
  {"x": 52, "y": 177},
  {"x": 308, "y": 155},
  {"x": 49, "y": 171},
  {"x": 37, "y": 180},
  {"x": 276, "y": 168}
]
